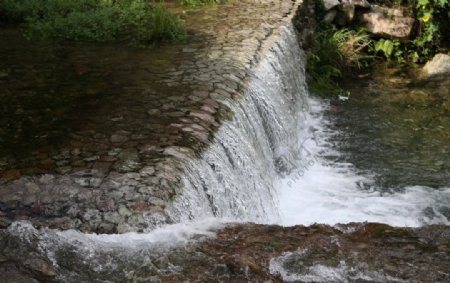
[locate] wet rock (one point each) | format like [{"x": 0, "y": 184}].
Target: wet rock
[
  {"x": 175, "y": 114},
  {"x": 91, "y": 158},
  {"x": 106, "y": 228},
  {"x": 92, "y": 217},
  {"x": 204, "y": 116},
  {"x": 105, "y": 204},
  {"x": 118, "y": 139},
  {"x": 10, "y": 175},
  {"x": 10, "y": 198},
  {"x": 3, "y": 75},
  {"x": 136, "y": 220},
  {"x": 63, "y": 170},
  {"x": 46, "y": 179},
  {"x": 153, "y": 112},
  {"x": 29, "y": 199},
  {"x": 178, "y": 152},
  {"x": 32, "y": 188},
  {"x": 114, "y": 151},
  {"x": 124, "y": 211},
  {"x": 439, "y": 65},
  {"x": 200, "y": 93},
  {"x": 112, "y": 217},
  {"x": 129, "y": 160},
  {"x": 14, "y": 274},
  {"x": 95, "y": 182},
  {"x": 147, "y": 171},
  {"x": 101, "y": 168},
  {"x": 40, "y": 266},
  {"x": 75, "y": 152}
]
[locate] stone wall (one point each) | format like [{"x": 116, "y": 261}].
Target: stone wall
[{"x": 121, "y": 167}]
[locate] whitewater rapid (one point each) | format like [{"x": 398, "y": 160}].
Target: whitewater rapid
[{"x": 321, "y": 189}]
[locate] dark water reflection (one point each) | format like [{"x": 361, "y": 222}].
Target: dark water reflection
[
  {"x": 46, "y": 90},
  {"x": 49, "y": 90},
  {"x": 397, "y": 125}
]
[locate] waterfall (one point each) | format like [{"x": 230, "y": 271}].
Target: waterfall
[
  {"x": 234, "y": 176},
  {"x": 234, "y": 179}
]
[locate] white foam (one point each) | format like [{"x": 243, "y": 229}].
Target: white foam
[
  {"x": 323, "y": 273},
  {"x": 320, "y": 191},
  {"x": 173, "y": 234}
]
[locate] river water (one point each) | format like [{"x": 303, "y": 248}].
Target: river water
[
  {"x": 288, "y": 158},
  {"x": 381, "y": 155}
]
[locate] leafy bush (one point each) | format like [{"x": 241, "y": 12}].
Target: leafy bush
[
  {"x": 434, "y": 16},
  {"x": 94, "y": 20},
  {"x": 390, "y": 48}
]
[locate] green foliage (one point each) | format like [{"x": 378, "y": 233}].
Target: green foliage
[
  {"x": 386, "y": 46},
  {"x": 434, "y": 16},
  {"x": 196, "y": 3},
  {"x": 347, "y": 49},
  {"x": 94, "y": 20},
  {"x": 391, "y": 49},
  {"x": 336, "y": 51}
]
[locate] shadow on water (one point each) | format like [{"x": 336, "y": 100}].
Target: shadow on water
[
  {"x": 47, "y": 89},
  {"x": 50, "y": 91},
  {"x": 395, "y": 125}
]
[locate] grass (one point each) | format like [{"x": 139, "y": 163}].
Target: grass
[{"x": 135, "y": 21}]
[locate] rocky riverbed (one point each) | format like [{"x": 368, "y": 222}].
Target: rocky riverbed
[{"x": 356, "y": 252}]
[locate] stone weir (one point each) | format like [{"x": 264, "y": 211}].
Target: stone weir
[{"x": 172, "y": 133}]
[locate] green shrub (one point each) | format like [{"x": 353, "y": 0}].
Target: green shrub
[
  {"x": 336, "y": 51},
  {"x": 94, "y": 20},
  {"x": 434, "y": 16}
]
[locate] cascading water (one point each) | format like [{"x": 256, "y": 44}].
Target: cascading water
[
  {"x": 232, "y": 181},
  {"x": 234, "y": 177},
  {"x": 271, "y": 163},
  {"x": 267, "y": 165},
  {"x": 321, "y": 189}
]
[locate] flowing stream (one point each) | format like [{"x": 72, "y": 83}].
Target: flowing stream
[
  {"x": 323, "y": 187},
  {"x": 281, "y": 159}
]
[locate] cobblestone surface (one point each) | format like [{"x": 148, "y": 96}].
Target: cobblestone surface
[{"x": 113, "y": 163}]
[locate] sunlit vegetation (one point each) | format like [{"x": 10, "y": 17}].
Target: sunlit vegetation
[
  {"x": 134, "y": 21},
  {"x": 345, "y": 50}
]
